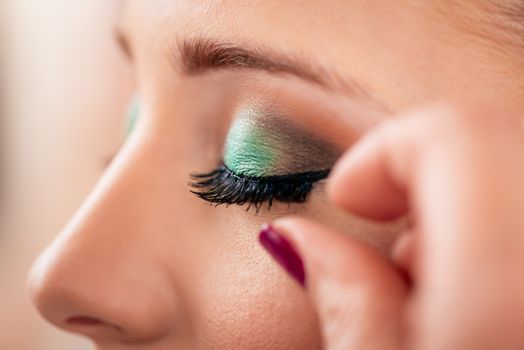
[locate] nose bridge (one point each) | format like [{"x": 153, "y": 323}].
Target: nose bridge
[{"x": 102, "y": 276}]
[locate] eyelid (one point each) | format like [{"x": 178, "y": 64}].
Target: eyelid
[
  {"x": 132, "y": 115},
  {"x": 264, "y": 141}
]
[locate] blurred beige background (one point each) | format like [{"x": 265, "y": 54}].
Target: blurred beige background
[{"x": 65, "y": 89}]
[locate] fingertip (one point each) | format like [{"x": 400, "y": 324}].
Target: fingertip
[
  {"x": 294, "y": 228},
  {"x": 311, "y": 239},
  {"x": 361, "y": 181},
  {"x": 283, "y": 252},
  {"x": 337, "y": 256},
  {"x": 325, "y": 249}
]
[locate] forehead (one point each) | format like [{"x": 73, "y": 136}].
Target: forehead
[
  {"x": 263, "y": 18},
  {"x": 408, "y": 51}
]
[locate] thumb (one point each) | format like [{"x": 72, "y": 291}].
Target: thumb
[{"x": 357, "y": 293}]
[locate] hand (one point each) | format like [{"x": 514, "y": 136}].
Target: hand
[{"x": 459, "y": 173}]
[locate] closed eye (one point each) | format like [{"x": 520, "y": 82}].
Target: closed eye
[{"x": 223, "y": 186}]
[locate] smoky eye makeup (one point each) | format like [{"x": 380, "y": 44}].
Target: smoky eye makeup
[
  {"x": 267, "y": 157},
  {"x": 264, "y": 144}
]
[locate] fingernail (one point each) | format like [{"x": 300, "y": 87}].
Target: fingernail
[{"x": 282, "y": 252}]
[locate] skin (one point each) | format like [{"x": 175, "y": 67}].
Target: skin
[{"x": 144, "y": 264}]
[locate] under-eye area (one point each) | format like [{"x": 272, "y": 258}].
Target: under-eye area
[{"x": 223, "y": 186}]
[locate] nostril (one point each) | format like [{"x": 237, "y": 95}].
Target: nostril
[
  {"x": 86, "y": 321},
  {"x": 83, "y": 321}
]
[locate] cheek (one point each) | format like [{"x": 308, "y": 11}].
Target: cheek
[{"x": 247, "y": 302}]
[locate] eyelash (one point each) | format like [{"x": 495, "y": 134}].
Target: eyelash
[{"x": 222, "y": 186}]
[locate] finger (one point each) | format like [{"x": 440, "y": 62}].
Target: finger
[
  {"x": 371, "y": 178},
  {"x": 403, "y": 253},
  {"x": 357, "y": 293},
  {"x": 460, "y": 173}
]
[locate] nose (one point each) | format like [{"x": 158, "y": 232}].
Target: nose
[{"x": 104, "y": 276}]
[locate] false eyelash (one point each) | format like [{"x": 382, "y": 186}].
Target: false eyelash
[{"x": 222, "y": 186}]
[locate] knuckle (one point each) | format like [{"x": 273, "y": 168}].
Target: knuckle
[
  {"x": 454, "y": 122},
  {"x": 448, "y": 126},
  {"x": 437, "y": 124}
]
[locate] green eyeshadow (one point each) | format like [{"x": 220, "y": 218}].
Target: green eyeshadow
[
  {"x": 267, "y": 144},
  {"x": 250, "y": 150},
  {"x": 132, "y": 116}
]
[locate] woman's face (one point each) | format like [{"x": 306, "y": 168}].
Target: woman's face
[{"x": 268, "y": 88}]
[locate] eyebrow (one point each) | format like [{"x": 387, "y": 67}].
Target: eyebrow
[{"x": 198, "y": 55}]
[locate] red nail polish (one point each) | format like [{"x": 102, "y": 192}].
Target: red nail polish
[{"x": 282, "y": 252}]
